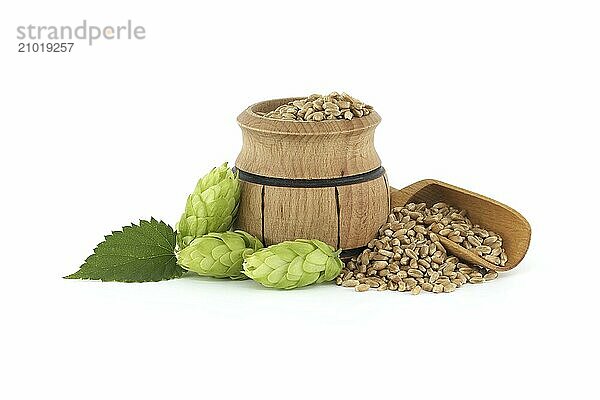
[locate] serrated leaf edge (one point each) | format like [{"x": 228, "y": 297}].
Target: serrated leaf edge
[{"x": 179, "y": 271}]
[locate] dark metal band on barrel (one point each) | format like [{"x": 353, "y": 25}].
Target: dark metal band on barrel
[{"x": 310, "y": 183}]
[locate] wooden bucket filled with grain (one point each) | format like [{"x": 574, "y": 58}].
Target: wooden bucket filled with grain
[{"x": 313, "y": 180}]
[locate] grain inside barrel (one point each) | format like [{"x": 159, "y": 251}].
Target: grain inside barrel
[{"x": 313, "y": 180}]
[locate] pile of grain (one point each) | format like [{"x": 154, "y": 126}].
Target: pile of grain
[
  {"x": 408, "y": 256},
  {"x": 321, "y": 108}
]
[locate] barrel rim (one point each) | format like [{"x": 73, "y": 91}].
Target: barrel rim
[{"x": 251, "y": 119}]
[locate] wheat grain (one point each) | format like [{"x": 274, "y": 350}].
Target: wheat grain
[
  {"x": 408, "y": 255},
  {"x": 320, "y": 108}
]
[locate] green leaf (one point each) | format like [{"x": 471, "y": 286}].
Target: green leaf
[{"x": 137, "y": 253}]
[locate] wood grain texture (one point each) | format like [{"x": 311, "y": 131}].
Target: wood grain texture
[
  {"x": 357, "y": 228},
  {"x": 299, "y": 213},
  {"x": 305, "y": 149},
  {"x": 249, "y": 216},
  {"x": 489, "y": 213},
  {"x": 346, "y": 216}
]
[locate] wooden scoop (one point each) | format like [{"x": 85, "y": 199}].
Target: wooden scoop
[{"x": 490, "y": 214}]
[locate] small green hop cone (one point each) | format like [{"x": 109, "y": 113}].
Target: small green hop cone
[
  {"x": 212, "y": 207},
  {"x": 293, "y": 264},
  {"x": 219, "y": 255}
]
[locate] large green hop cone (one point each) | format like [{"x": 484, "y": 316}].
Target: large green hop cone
[
  {"x": 219, "y": 255},
  {"x": 212, "y": 206},
  {"x": 294, "y": 264}
]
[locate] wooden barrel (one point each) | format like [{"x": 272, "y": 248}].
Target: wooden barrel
[{"x": 313, "y": 180}]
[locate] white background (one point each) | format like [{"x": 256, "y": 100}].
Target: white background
[{"x": 501, "y": 98}]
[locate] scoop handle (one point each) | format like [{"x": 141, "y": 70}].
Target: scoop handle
[{"x": 465, "y": 255}]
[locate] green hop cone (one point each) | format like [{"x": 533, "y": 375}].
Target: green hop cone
[
  {"x": 294, "y": 264},
  {"x": 219, "y": 255},
  {"x": 212, "y": 206}
]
